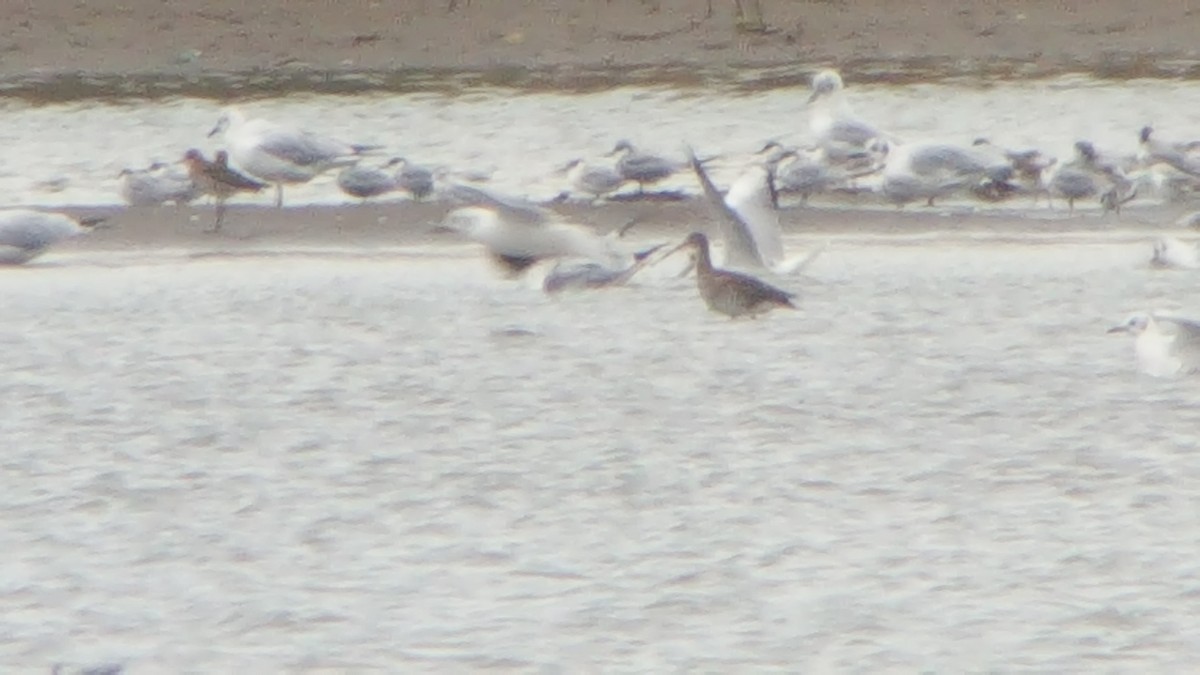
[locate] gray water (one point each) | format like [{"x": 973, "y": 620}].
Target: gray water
[
  {"x": 397, "y": 462},
  {"x": 71, "y": 153}
]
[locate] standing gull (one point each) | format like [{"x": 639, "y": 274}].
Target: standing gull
[
  {"x": 834, "y": 126},
  {"x": 731, "y": 293},
  {"x": 810, "y": 171},
  {"x": 279, "y": 154},
  {"x": 1087, "y": 175},
  {"x": 25, "y": 234},
  {"x": 218, "y": 179},
  {"x": 928, "y": 171},
  {"x": 1164, "y": 345},
  {"x": 518, "y": 234},
  {"x": 642, "y": 168}
]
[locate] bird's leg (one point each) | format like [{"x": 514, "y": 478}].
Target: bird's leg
[
  {"x": 220, "y": 215},
  {"x": 930, "y": 202},
  {"x": 751, "y": 21},
  {"x": 279, "y": 195}
]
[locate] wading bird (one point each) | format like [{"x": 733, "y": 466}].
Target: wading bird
[
  {"x": 731, "y": 293},
  {"x": 218, "y": 179}
]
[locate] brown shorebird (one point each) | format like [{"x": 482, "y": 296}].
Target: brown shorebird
[
  {"x": 732, "y": 293},
  {"x": 218, "y": 179}
]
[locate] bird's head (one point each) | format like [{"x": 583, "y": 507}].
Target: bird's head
[
  {"x": 770, "y": 148},
  {"x": 229, "y": 117},
  {"x": 566, "y": 168},
  {"x": 1144, "y": 134},
  {"x": 1134, "y": 325},
  {"x": 1086, "y": 150},
  {"x": 695, "y": 240},
  {"x": 879, "y": 146},
  {"x": 825, "y": 83},
  {"x": 622, "y": 147}
]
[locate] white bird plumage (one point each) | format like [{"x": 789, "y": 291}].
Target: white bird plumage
[
  {"x": 748, "y": 222},
  {"x": 25, "y": 234},
  {"x": 518, "y": 233},
  {"x": 1164, "y": 344},
  {"x": 157, "y": 184},
  {"x": 595, "y": 181},
  {"x": 281, "y": 154},
  {"x": 928, "y": 171},
  {"x": 834, "y": 127},
  {"x": 1172, "y": 253}
]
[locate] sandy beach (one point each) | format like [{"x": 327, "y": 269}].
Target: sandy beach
[{"x": 139, "y": 36}]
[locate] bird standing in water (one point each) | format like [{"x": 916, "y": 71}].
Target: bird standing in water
[
  {"x": 218, "y": 179},
  {"x": 732, "y": 293}
]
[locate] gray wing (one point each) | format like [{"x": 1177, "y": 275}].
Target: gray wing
[
  {"x": 645, "y": 167},
  {"x": 947, "y": 158},
  {"x": 303, "y": 148},
  {"x": 509, "y": 208},
  {"x": 416, "y": 179},
  {"x": 1074, "y": 183},
  {"x": 851, "y": 132},
  {"x": 802, "y": 177},
  {"x": 30, "y": 230},
  {"x": 365, "y": 181},
  {"x": 740, "y": 249},
  {"x": 1178, "y": 161}
]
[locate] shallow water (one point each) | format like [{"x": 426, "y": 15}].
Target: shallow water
[
  {"x": 400, "y": 462},
  {"x": 72, "y": 153}
]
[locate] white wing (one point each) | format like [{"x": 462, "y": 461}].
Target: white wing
[
  {"x": 741, "y": 251},
  {"x": 753, "y": 199},
  {"x": 1185, "y": 339}
]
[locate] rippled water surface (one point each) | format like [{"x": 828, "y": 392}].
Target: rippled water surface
[
  {"x": 399, "y": 462},
  {"x": 72, "y": 153}
]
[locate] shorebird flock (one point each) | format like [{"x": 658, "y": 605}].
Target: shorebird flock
[{"x": 741, "y": 264}]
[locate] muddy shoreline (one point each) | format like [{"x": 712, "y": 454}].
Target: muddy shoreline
[
  {"x": 369, "y": 228},
  {"x": 224, "y": 49}
]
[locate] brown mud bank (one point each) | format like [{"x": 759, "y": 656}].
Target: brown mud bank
[{"x": 60, "y": 50}]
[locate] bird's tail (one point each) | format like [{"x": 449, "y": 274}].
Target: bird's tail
[{"x": 93, "y": 221}]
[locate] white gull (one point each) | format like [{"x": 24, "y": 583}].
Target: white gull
[{"x": 281, "y": 154}]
